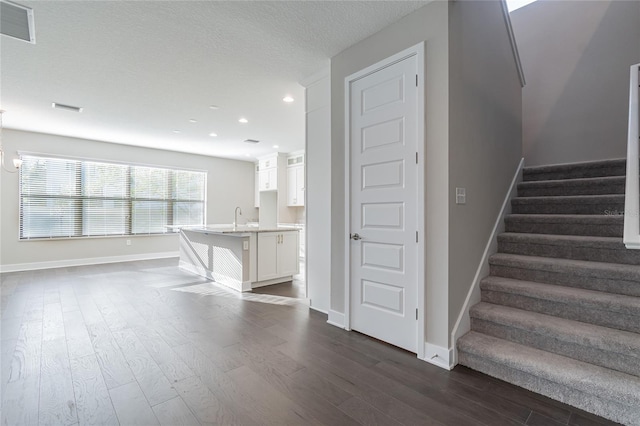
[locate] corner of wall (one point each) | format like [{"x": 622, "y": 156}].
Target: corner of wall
[{"x": 463, "y": 323}]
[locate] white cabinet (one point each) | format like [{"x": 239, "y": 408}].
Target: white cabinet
[
  {"x": 295, "y": 186},
  {"x": 295, "y": 180},
  {"x": 277, "y": 254},
  {"x": 268, "y": 173},
  {"x": 268, "y": 179},
  {"x": 256, "y": 197}
]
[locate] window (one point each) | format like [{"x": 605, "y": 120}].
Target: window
[{"x": 80, "y": 198}]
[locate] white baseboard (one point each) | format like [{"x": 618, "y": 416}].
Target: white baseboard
[
  {"x": 463, "y": 324},
  {"x": 318, "y": 310},
  {"x": 336, "y": 319},
  {"x": 83, "y": 262},
  {"x": 439, "y": 356}
]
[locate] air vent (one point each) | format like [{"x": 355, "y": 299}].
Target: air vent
[
  {"x": 66, "y": 107},
  {"x": 251, "y": 141},
  {"x": 16, "y": 21}
]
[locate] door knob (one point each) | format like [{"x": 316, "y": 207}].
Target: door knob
[{"x": 355, "y": 236}]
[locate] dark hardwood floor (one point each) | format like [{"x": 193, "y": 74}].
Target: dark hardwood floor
[{"x": 145, "y": 343}]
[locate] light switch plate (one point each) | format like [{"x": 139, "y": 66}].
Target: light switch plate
[{"x": 461, "y": 196}]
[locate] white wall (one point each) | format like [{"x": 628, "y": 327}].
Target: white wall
[
  {"x": 485, "y": 135},
  {"x": 230, "y": 183},
  {"x": 427, "y": 24},
  {"x": 576, "y": 57},
  {"x": 318, "y": 190}
]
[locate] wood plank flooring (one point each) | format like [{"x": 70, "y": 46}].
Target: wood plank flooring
[{"x": 144, "y": 343}]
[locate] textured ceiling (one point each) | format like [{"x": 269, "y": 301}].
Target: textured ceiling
[{"x": 142, "y": 69}]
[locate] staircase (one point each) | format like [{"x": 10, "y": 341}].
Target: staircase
[{"x": 560, "y": 310}]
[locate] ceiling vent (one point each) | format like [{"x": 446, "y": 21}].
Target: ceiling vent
[
  {"x": 17, "y": 21},
  {"x": 251, "y": 141},
  {"x": 66, "y": 107}
]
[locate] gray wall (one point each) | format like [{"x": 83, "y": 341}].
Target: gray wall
[
  {"x": 485, "y": 143},
  {"x": 426, "y": 24},
  {"x": 221, "y": 199},
  {"x": 576, "y": 57}
]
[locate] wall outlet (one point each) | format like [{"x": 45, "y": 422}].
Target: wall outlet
[
  {"x": 128, "y": 242},
  {"x": 461, "y": 196}
]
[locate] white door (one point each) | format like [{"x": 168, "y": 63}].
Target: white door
[{"x": 383, "y": 203}]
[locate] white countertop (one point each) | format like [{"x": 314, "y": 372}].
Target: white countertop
[{"x": 236, "y": 231}]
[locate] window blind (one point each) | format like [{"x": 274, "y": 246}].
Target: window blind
[{"x": 65, "y": 198}]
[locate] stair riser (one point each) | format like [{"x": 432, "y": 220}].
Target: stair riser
[
  {"x": 569, "y": 279},
  {"x": 610, "y": 255},
  {"x": 612, "y": 410},
  {"x": 609, "y": 230},
  {"x": 616, "y": 361},
  {"x": 570, "y": 190},
  {"x": 576, "y": 312},
  {"x": 606, "y": 208},
  {"x": 575, "y": 172}
]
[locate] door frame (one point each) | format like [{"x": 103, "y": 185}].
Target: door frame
[{"x": 418, "y": 51}]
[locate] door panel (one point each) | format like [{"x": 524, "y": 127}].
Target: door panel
[
  {"x": 383, "y": 174},
  {"x": 382, "y": 216},
  {"x": 388, "y": 174}
]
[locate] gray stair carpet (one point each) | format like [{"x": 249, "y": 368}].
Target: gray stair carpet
[{"x": 560, "y": 310}]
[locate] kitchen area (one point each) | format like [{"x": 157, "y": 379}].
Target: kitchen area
[{"x": 267, "y": 254}]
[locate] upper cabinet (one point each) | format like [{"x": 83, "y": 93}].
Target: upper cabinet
[
  {"x": 268, "y": 173},
  {"x": 295, "y": 180}
]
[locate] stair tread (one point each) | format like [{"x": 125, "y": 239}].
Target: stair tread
[
  {"x": 576, "y": 332},
  {"x": 564, "y": 218},
  {"x": 630, "y": 272},
  {"x": 576, "y": 240},
  {"x": 570, "y": 198},
  {"x": 575, "y": 167},
  {"x": 589, "y": 299},
  {"x": 571, "y": 182},
  {"x": 588, "y": 378}
]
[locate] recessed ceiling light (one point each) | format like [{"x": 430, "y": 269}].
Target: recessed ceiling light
[
  {"x": 247, "y": 155},
  {"x": 192, "y": 120},
  {"x": 214, "y": 107},
  {"x": 287, "y": 99},
  {"x": 243, "y": 120},
  {"x": 276, "y": 146},
  {"x": 213, "y": 135},
  {"x": 177, "y": 131}
]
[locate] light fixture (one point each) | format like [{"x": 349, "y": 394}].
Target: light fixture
[
  {"x": 177, "y": 131},
  {"x": 251, "y": 141},
  {"x": 193, "y": 120},
  {"x": 214, "y": 107},
  {"x": 243, "y": 120},
  {"x": 213, "y": 135},
  {"x": 276, "y": 146},
  {"x": 17, "y": 162},
  {"x": 288, "y": 99},
  {"x": 65, "y": 107}
]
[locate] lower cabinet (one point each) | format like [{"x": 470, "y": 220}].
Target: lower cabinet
[{"x": 277, "y": 254}]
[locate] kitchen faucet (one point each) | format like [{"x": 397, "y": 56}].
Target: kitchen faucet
[{"x": 235, "y": 216}]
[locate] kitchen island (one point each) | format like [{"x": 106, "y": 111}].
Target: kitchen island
[{"x": 240, "y": 257}]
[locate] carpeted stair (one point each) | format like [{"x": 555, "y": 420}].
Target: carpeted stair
[{"x": 560, "y": 310}]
